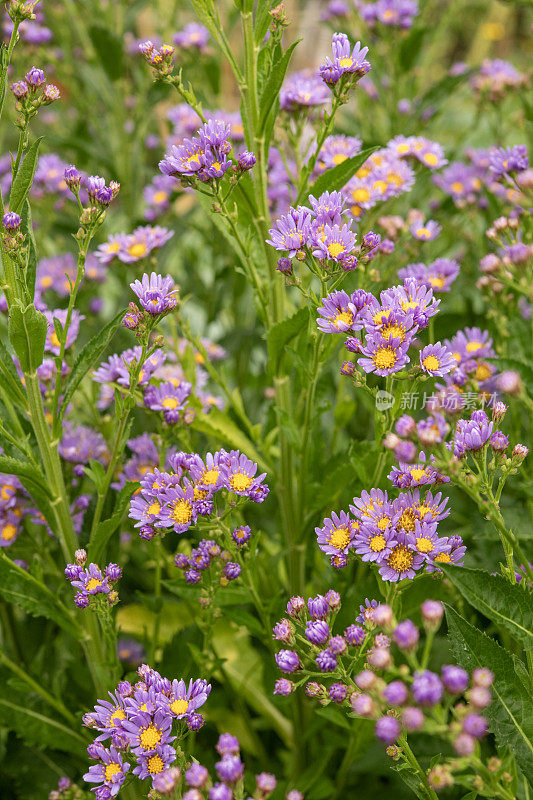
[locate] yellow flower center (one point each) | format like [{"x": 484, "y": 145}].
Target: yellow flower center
[
  {"x": 430, "y": 158},
  {"x": 345, "y": 62},
  {"x": 377, "y": 543},
  {"x": 483, "y": 372},
  {"x": 356, "y": 211},
  {"x": 117, "y": 714},
  {"x": 181, "y": 512},
  {"x": 170, "y": 403},
  {"x": 338, "y": 158},
  {"x": 92, "y": 584},
  {"x": 383, "y": 522},
  {"x": 423, "y": 510},
  {"x": 179, "y": 706},
  {"x": 385, "y": 358},
  {"x": 9, "y": 532},
  {"x": 210, "y": 476},
  {"x": 418, "y": 473},
  {"x": 423, "y": 232},
  {"x": 137, "y": 250},
  {"x": 408, "y": 304},
  {"x": 160, "y": 197},
  {"x": 444, "y": 558},
  {"x": 407, "y": 520},
  {"x": 431, "y": 363},
  {"x": 398, "y": 331},
  {"x": 380, "y": 186},
  {"x": 155, "y": 765},
  {"x": 153, "y": 509},
  {"x": 335, "y": 249},
  {"x": 363, "y": 172},
  {"x": 200, "y": 494},
  {"x": 437, "y": 282},
  {"x": 46, "y": 281},
  {"x": 54, "y": 340},
  {"x": 150, "y": 737},
  {"x": 360, "y": 195},
  {"x": 345, "y": 317},
  {"x": 473, "y": 347},
  {"x": 339, "y": 537},
  {"x": 402, "y": 148},
  {"x": 457, "y": 186},
  {"x": 424, "y": 545},
  {"x": 240, "y": 481},
  {"x": 401, "y": 558},
  {"x": 381, "y": 316},
  {"x": 111, "y": 770},
  {"x": 112, "y": 247}
]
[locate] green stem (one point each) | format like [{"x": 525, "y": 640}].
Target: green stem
[
  {"x": 411, "y": 759},
  {"x": 158, "y": 602}
]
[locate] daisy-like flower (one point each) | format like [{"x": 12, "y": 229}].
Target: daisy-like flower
[
  {"x": 168, "y": 398},
  {"x": 346, "y": 60},
  {"x": 193, "y": 37},
  {"x": 302, "y": 90},
  {"x": 403, "y": 562},
  {"x": 425, "y": 231},
  {"x": 338, "y": 314},
  {"x": 328, "y": 207},
  {"x": 144, "y": 511},
  {"x": 335, "y": 151},
  {"x": 110, "y": 773},
  {"x": 336, "y": 534},
  {"x": 383, "y": 356},
  {"x": 334, "y": 242},
  {"x": 145, "y": 733},
  {"x": 413, "y": 297},
  {"x": 240, "y": 474},
  {"x": 207, "y": 474},
  {"x": 153, "y": 764},
  {"x": 454, "y": 555},
  {"x": 178, "y": 510},
  {"x": 185, "y": 699},
  {"x": 374, "y": 544},
  {"x": 91, "y": 581},
  {"x": 183, "y": 160},
  {"x": 436, "y": 359},
  {"x": 143, "y": 241},
  {"x": 438, "y": 276},
  {"x": 471, "y": 343},
  {"x": 367, "y": 612},
  {"x": 425, "y": 540},
  {"x": 430, "y": 508},
  {"x": 156, "y": 294},
  {"x": 292, "y": 231},
  {"x": 505, "y": 161},
  {"x": 418, "y": 474},
  {"x": 108, "y": 716},
  {"x": 367, "y": 503}
]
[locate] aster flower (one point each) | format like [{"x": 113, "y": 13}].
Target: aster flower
[
  {"x": 333, "y": 242},
  {"x": 364, "y": 505},
  {"x": 292, "y": 231},
  {"x": 185, "y": 699},
  {"x": 411, "y": 297},
  {"x": 336, "y": 534},
  {"x": 435, "y": 359},
  {"x": 240, "y": 474},
  {"x": 155, "y": 293},
  {"x": 366, "y": 615},
  {"x": 168, "y": 398},
  {"x": 425, "y": 231},
  {"x": 374, "y": 544},
  {"x": 337, "y": 314},
  {"x": 345, "y": 60},
  {"x": 110, "y": 773},
  {"x": 335, "y": 150},
  {"x": 193, "y": 37},
  {"x": 426, "y": 541},
  {"x": 145, "y": 733},
  {"x": 383, "y": 356},
  {"x": 178, "y": 510},
  {"x": 302, "y": 90},
  {"x": 403, "y": 562}
]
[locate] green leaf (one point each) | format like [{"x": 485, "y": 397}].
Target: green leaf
[
  {"x": 23, "y": 590},
  {"x": 281, "y": 334},
  {"x": 509, "y": 713},
  {"x": 510, "y": 606},
  {"x": 334, "y": 179},
  {"x": 24, "y": 177},
  {"x": 335, "y": 716},
  {"x": 10, "y": 379},
  {"x": 27, "y": 329},
  {"x": 273, "y": 84},
  {"x": 216, "y": 423},
  {"x": 108, "y": 48},
  {"x": 39, "y": 729},
  {"x": 88, "y": 357},
  {"x": 106, "y": 528},
  {"x": 23, "y": 469},
  {"x": 410, "y": 48}
]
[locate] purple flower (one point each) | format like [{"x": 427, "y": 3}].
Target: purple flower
[
  {"x": 302, "y": 90},
  {"x": 338, "y": 692},
  {"x": 406, "y": 635},
  {"x": 292, "y": 231},
  {"x": 150, "y": 764},
  {"x": 246, "y": 161},
  {"x": 11, "y": 221},
  {"x": 219, "y": 791},
  {"x": 475, "y": 725},
  {"x": 435, "y": 359},
  {"x": 227, "y": 744},
  {"x": 455, "y": 679},
  {"x": 155, "y": 293},
  {"x": 168, "y": 398},
  {"x": 318, "y": 607},
  {"x": 193, "y": 36},
  {"x": 412, "y": 718},
  {"x": 230, "y": 768},
  {"x": 326, "y": 661},
  {"x": 427, "y": 688},
  {"x": 110, "y": 773},
  {"x": 288, "y": 660},
  {"x": 425, "y": 231},
  {"x": 196, "y": 776},
  {"x": 355, "y": 635},
  {"x": 387, "y": 729},
  {"x": 336, "y": 534},
  {"x": 333, "y": 242},
  {"x": 284, "y": 687},
  {"x": 146, "y": 732},
  {"x": 504, "y": 161},
  {"x": 396, "y": 693},
  {"x": 383, "y": 356},
  {"x": 266, "y": 783},
  {"x": 345, "y": 61},
  {"x": 317, "y": 631},
  {"x": 35, "y": 77}
]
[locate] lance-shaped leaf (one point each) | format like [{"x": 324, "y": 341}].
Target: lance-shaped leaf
[
  {"x": 27, "y": 329},
  {"x": 508, "y": 605},
  {"x": 23, "y": 590},
  {"x": 107, "y": 527},
  {"x": 334, "y": 179},
  {"x": 509, "y": 713},
  {"x": 37, "y": 728},
  {"x": 9, "y": 376},
  {"x": 281, "y": 334},
  {"x": 87, "y": 357},
  {"x": 273, "y": 84},
  {"x": 24, "y": 178}
]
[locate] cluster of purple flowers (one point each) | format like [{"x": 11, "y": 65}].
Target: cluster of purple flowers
[
  {"x": 367, "y": 676},
  {"x": 396, "y": 13},
  {"x": 33, "y": 91},
  {"x": 345, "y": 62},
  {"x": 91, "y": 581},
  {"x": 193, "y": 37},
  {"x": 138, "y": 720},
  {"x": 135, "y": 246},
  {"x": 175, "y": 500},
  {"x": 209, "y": 563},
  {"x": 390, "y": 326},
  {"x": 439, "y": 275},
  {"x": 496, "y": 77},
  {"x": 399, "y": 536},
  {"x": 503, "y": 270}
]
